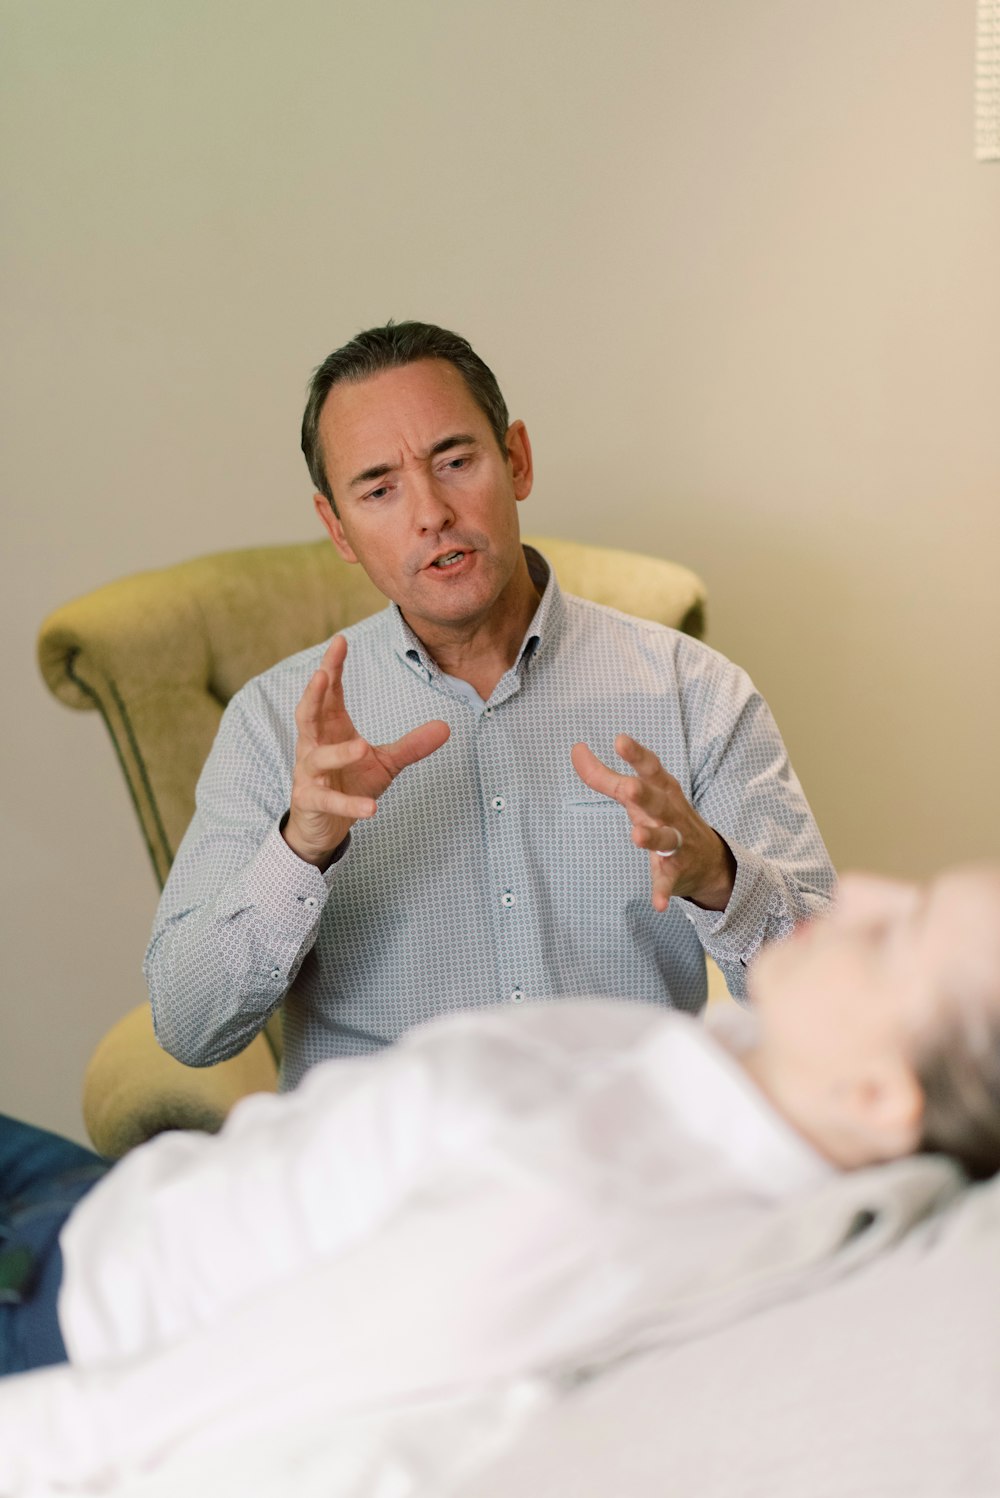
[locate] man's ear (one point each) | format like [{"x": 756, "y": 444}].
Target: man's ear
[
  {"x": 519, "y": 456},
  {"x": 886, "y": 1109},
  {"x": 332, "y": 526}
]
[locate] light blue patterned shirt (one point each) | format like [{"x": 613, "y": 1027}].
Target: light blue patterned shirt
[{"x": 490, "y": 873}]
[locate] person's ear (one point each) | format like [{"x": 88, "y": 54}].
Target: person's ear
[
  {"x": 331, "y": 524},
  {"x": 885, "y": 1109},
  {"x": 519, "y": 457}
]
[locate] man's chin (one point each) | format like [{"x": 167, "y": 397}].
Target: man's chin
[
  {"x": 445, "y": 608},
  {"x": 472, "y": 585}
]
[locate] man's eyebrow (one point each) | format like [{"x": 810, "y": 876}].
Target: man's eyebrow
[
  {"x": 459, "y": 439},
  {"x": 379, "y": 470},
  {"x": 365, "y": 477}
]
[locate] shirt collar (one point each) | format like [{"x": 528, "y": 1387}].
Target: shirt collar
[
  {"x": 694, "y": 1066},
  {"x": 544, "y": 628}
]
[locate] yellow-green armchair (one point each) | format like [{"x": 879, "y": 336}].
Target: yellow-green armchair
[{"x": 159, "y": 655}]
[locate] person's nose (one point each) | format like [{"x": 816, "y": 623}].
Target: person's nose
[{"x": 432, "y": 509}]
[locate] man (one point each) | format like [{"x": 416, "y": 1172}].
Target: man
[
  {"x": 426, "y": 814},
  {"x": 525, "y": 1192}
]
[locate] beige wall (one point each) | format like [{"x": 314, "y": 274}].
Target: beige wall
[{"x": 731, "y": 259}]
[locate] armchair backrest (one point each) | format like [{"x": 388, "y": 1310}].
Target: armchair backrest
[{"x": 160, "y": 654}]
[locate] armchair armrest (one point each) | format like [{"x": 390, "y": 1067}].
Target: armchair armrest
[{"x": 133, "y": 1089}]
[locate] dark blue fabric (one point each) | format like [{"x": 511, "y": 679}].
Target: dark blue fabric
[{"x": 42, "y": 1177}]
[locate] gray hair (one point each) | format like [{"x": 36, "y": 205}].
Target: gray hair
[
  {"x": 957, "y": 1063},
  {"x": 397, "y": 344}
]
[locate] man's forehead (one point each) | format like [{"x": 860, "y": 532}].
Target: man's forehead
[{"x": 419, "y": 402}]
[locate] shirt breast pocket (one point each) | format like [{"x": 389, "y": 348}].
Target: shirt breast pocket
[
  {"x": 598, "y": 848},
  {"x": 579, "y": 803}
]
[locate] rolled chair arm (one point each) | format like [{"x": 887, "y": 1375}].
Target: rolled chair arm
[{"x": 133, "y": 1089}]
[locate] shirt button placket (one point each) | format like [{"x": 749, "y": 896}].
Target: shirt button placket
[{"x": 505, "y": 854}]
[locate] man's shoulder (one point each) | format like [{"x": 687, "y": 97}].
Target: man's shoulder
[{"x": 598, "y": 625}]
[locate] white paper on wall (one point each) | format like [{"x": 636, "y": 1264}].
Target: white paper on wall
[{"x": 988, "y": 80}]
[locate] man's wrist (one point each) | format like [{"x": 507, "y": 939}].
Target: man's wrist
[
  {"x": 320, "y": 858},
  {"x": 716, "y": 896}
]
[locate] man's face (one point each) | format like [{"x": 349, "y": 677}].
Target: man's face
[
  {"x": 854, "y": 989},
  {"x": 427, "y": 501}
]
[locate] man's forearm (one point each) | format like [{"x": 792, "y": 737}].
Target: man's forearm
[{"x": 217, "y": 970}]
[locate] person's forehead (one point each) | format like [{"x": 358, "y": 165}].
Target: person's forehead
[
  {"x": 876, "y": 896},
  {"x": 956, "y": 951},
  {"x": 964, "y": 905},
  {"x": 414, "y": 405}
]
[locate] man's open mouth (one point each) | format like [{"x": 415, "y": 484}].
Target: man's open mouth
[{"x": 449, "y": 559}]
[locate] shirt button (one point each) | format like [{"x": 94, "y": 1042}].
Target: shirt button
[
  {"x": 507, "y": 899},
  {"x": 310, "y": 902},
  {"x": 498, "y": 803},
  {"x": 488, "y": 711},
  {"x": 276, "y": 972},
  {"x": 517, "y": 997}
]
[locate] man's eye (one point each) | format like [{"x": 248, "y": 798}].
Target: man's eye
[
  {"x": 457, "y": 463},
  {"x": 378, "y": 493}
]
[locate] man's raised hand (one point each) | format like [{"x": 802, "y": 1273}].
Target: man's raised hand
[
  {"x": 687, "y": 857},
  {"x": 338, "y": 775}
]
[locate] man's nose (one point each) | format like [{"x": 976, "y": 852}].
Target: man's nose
[{"x": 432, "y": 510}]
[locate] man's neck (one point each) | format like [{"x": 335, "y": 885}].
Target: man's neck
[{"x": 481, "y": 651}]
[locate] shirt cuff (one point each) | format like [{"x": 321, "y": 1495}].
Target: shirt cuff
[
  {"x": 757, "y": 911},
  {"x": 283, "y": 890}
]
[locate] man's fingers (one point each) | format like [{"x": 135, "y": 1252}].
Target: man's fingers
[
  {"x": 333, "y": 664},
  {"x": 662, "y": 839},
  {"x": 324, "y": 758},
  {"x": 664, "y": 873},
  {"x": 324, "y": 692},
  {"x": 595, "y": 773},
  {"x": 685, "y": 853},
  {"x": 600, "y": 777},
  {"x": 415, "y": 745},
  {"x": 647, "y": 805},
  {"x": 310, "y": 706},
  {"x": 643, "y": 761},
  {"x": 663, "y": 876},
  {"x": 316, "y": 797},
  {"x": 649, "y": 796},
  {"x": 334, "y": 657}
]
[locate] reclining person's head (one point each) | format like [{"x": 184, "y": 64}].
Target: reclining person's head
[{"x": 880, "y": 1023}]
